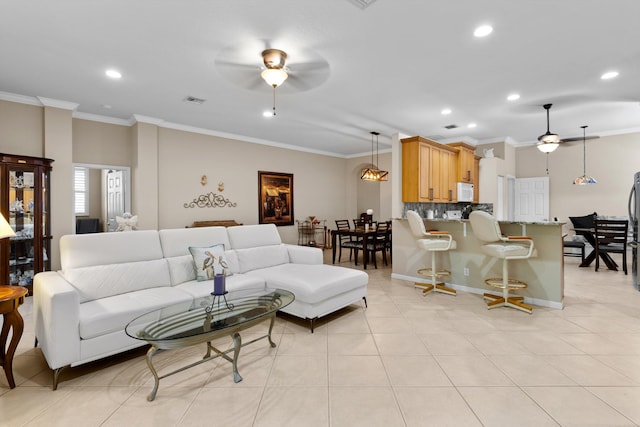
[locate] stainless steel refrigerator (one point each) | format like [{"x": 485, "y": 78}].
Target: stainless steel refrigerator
[{"x": 634, "y": 211}]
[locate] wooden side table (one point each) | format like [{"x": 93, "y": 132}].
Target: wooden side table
[{"x": 10, "y": 299}]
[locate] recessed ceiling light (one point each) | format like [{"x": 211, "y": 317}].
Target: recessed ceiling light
[
  {"x": 483, "y": 30},
  {"x": 446, "y": 111},
  {"x": 513, "y": 97},
  {"x": 107, "y": 106},
  {"x": 471, "y": 125},
  {"x": 114, "y": 74},
  {"x": 609, "y": 75},
  {"x": 267, "y": 113}
]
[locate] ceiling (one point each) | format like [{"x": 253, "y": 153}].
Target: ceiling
[{"x": 390, "y": 67}]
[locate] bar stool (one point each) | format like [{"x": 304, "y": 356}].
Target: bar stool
[
  {"x": 487, "y": 229},
  {"x": 431, "y": 241}
]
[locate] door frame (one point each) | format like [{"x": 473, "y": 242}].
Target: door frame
[{"x": 126, "y": 175}]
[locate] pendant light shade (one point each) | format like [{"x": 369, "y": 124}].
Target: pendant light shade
[
  {"x": 584, "y": 179},
  {"x": 548, "y": 142},
  {"x": 373, "y": 173},
  {"x": 274, "y": 76}
]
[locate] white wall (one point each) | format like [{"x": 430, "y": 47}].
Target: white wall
[
  {"x": 612, "y": 160},
  {"x": 318, "y": 181}
]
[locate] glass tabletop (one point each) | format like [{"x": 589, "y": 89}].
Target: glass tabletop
[{"x": 207, "y": 315}]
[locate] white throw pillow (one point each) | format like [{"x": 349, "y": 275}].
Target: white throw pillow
[{"x": 209, "y": 261}]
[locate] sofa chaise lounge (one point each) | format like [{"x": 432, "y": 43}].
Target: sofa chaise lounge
[{"x": 108, "y": 279}]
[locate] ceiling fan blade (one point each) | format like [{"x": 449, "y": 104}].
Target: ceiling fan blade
[{"x": 578, "y": 138}]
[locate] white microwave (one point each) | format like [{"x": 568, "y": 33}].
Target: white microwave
[{"x": 465, "y": 192}]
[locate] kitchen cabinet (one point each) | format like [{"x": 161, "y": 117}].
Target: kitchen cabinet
[
  {"x": 476, "y": 179},
  {"x": 25, "y": 201},
  {"x": 466, "y": 162},
  {"x": 427, "y": 171}
]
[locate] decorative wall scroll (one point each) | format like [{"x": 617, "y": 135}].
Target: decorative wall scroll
[
  {"x": 275, "y": 198},
  {"x": 210, "y": 200}
]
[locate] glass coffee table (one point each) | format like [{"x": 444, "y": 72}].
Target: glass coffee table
[{"x": 208, "y": 318}]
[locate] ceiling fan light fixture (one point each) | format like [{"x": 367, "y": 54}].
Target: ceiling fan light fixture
[
  {"x": 549, "y": 141},
  {"x": 548, "y": 146},
  {"x": 274, "y": 76}
]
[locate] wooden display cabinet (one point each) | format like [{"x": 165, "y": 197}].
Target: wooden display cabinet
[{"x": 25, "y": 198}]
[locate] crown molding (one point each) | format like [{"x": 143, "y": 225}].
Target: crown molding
[
  {"x": 245, "y": 138},
  {"x": 466, "y": 139},
  {"x": 138, "y": 118},
  {"x": 102, "y": 119},
  {"x": 618, "y": 132},
  {"x": 505, "y": 139},
  {"x": 20, "y": 99},
  {"x": 56, "y": 103}
]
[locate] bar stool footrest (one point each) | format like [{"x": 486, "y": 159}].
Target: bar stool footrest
[
  {"x": 427, "y": 272},
  {"x": 497, "y": 282}
]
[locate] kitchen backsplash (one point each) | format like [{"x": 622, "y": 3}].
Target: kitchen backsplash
[{"x": 441, "y": 208}]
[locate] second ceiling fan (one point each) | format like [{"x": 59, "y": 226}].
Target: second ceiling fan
[{"x": 549, "y": 141}]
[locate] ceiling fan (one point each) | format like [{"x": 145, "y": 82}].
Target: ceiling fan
[
  {"x": 549, "y": 141},
  {"x": 245, "y": 64}
]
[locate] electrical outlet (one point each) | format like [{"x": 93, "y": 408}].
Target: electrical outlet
[{"x": 466, "y": 271}]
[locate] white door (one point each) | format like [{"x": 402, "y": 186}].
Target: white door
[
  {"x": 499, "y": 208},
  {"x": 511, "y": 196},
  {"x": 115, "y": 198},
  {"x": 532, "y": 199}
]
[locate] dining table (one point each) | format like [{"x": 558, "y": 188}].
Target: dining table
[
  {"x": 590, "y": 236},
  {"x": 366, "y": 234}
]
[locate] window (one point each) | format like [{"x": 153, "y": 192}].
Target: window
[{"x": 81, "y": 191}]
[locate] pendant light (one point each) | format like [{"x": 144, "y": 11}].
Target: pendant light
[
  {"x": 549, "y": 141},
  {"x": 373, "y": 173},
  {"x": 584, "y": 179}
]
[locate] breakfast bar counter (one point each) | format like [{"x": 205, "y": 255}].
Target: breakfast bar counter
[{"x": 469, "y": 266}]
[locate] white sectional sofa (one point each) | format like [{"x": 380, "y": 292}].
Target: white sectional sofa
[{"x": 107, "y": 279}]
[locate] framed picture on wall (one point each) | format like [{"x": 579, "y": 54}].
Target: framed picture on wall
[{"x": 275, "y": 198}]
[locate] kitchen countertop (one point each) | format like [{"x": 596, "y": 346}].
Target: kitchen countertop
[{"x": 500, "y": 221}]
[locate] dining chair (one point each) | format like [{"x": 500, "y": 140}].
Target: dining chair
[
  {"x": 345, "y": 241},
  {"x": 379, "y": 243},
  {"x": 487, "y": 229},
  {"x": 388, "y": 244},
  {"x": 611, "y": 237},
  {"x": 581, "y": 224}
]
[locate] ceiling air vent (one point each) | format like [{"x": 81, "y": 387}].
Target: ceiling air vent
[
  {"x": 362, "y": 4},
  {"x": 451, "y": 126},
  {"x": 194, "y": 100}
]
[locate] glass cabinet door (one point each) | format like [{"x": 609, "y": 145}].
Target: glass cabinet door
[
  {"x": 46, "y": 223},
  {"x": 21, "y": 218}
]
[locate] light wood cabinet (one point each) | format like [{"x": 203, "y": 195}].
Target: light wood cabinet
[
  {"x": 427, "y": 171},
  {"x": 476, "y": 179},
  {"x": 466, "y": 162}
]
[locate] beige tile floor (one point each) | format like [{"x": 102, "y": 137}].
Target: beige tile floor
[{"x": 407, "y": 360}]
